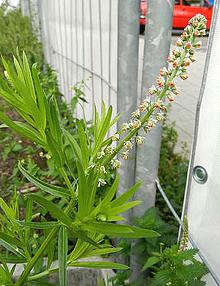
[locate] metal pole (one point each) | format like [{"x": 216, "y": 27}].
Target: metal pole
[
  {"x": 128, "y": 43},
  {"x": 156, "y": 51},
  {"x": 25, "y": 8}
]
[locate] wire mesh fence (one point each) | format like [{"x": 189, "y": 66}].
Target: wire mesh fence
[{"x": 80, "y": 42}]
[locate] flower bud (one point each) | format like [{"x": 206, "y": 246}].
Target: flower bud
[
  {"x": 128, "y": 145},
  {"x": 186, "y": 62},
  {"x": 136, "y": 113},
  {"x": 160, "y": 81},
  {"x": 198, "y": 45},
  {"x": 170, "y": 98},
  {"x": 152, "y": 90},
  {"x": 135, "y": 124},
  {"x": 179, "y": 43},
  {"x": 184, "y": 76},
  {"x": 115, "y": 137},
  {"x": 188, "y": 45},
  {"x": 171, "y": 83},
  {"x": 139, "y": 140},
  {"x": 124, "y": 155},
  {"x": 115, "y": 164}
]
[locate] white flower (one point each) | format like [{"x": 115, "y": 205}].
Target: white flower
[
  {"x": 101, "y": 154},
  {"x": 128, "y": 145},
  {"x": 136, "y": 113},
  {"x": 115, "y": 137},
  {"x": 124, "y": 155},
  {"x": 135, "y": 124},
  {"x": 152, "y": 89},
  {"x": 101, "y": 183},
  {"x": 102, "y": 169},
  {"x": 125, "y": 126},
  {"x": 115, "y": 164},
  {"x": 140, "y": 140},
  {"x": 109, "y": 150}
]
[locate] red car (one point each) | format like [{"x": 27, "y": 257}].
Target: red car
[{"x": 184, "y": 10}]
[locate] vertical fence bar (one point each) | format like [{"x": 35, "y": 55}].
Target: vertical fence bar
[
  {"x": 128, "y": 43},
  {"x": 25, "y": 7},
  {"x": 100, "y": 46},
  {"x": 156, "y": 50},
  {"x": 91, "y": 47}
]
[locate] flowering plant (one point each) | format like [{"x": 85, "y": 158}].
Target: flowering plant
[{"x": 74, "y": 213}]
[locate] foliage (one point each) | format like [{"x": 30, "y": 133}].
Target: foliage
[
  {"x": 177, "y": 265},
  {"x": 74, "y": 214},
  {"x": 16, "y": 31},
  {"x": 145, "y": 246}
]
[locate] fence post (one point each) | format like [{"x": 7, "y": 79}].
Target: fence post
[
  {"x": 25, "y": 7},
  {"x": 128, "y": 45},
  {"x": 156, "y": 51}
]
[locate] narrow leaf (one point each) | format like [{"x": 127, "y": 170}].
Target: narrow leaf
[
  {"x": 100, "y": 265},
  {"x": 52, "y": 208},
  {"x": 53, "y": 190},
  {"x": 62, "y": 255},
  {"x": 150, "y": 262}
]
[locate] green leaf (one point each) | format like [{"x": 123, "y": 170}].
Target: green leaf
[
  {"x": 28, "y": 77},
  {"x": 55, "y": 149},
  {"x": 10, "y": 240},
  {"x": 23, "y": 129},
  {"x": 12, "y": 248},
  {"x": 108, "y": 228},
  {"x": 111, "y": 192},
  {"x": 38, "y": 225},
  {"x": 150, "y": 262},
  {"x": 74, "y": 145},
  {"x": 140, "y": 233},
  {"x": 7, "y": 210},
  {"x": 99, "y": 265},
  {"x": 119, "y": 230},
  {"x": 54, "y": 121},
  {"x": 83, "y": 144},
  {"x": 62, "y": 255},
  {"x": 28, "y": 217},
  {"x": 83, "y": 192},
  {"x": 100, "y": 251},
  {"x": 40, "y": 96},
  {"x": 12, "y": 259},
  {"x": 52, "y": 208},
  {"x": 104, "y": 127},
  {"x": 123, "y": 208},
  {"x": 126, "y": 196},
  {"x": 53, "y": 190}
]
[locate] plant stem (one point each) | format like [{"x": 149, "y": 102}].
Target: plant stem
[
  {"x": 50, "y": 236},
  {"x": 67, "y": 181}
]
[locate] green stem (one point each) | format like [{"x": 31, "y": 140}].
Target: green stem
[
  {"x": 67, "y": 181},
  {"x": 48, "y": 239}
]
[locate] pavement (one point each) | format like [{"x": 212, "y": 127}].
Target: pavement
[{"x": 183, "y": 110}]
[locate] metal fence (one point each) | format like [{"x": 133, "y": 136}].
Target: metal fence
[
  {"x": 97, "y": 42},
  {"x": 80, "y": 42}
]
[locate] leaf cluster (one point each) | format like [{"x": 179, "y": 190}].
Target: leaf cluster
[
  {"x": 74, "y": 213},
  {"x": 175, "y": 267}
]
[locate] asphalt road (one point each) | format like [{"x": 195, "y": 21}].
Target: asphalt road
[{"x": 183, "y": 110}]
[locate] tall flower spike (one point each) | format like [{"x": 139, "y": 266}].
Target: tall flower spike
[{"x": 165, "y": 91}]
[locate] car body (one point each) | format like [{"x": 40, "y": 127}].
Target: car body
[{"x": 184, "y": 10}]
